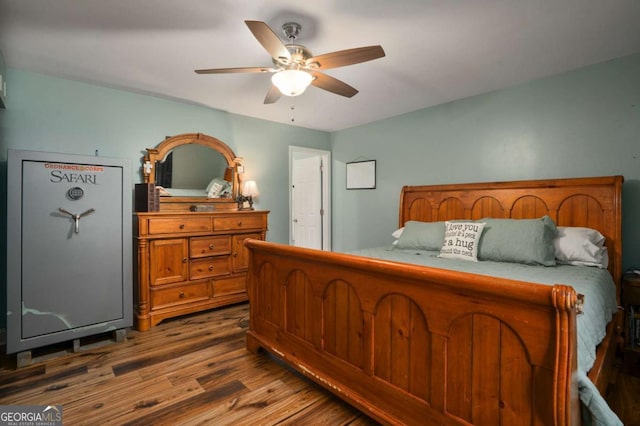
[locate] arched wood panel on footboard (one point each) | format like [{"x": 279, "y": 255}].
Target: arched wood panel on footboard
[{"x": 415, "y": 345}]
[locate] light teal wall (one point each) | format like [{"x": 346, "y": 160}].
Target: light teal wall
[
  {"x": 582, "y": 123},
  {"x": 51, "y": 114}
]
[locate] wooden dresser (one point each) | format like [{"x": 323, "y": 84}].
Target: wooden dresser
[{"x": 191, "y": 261}]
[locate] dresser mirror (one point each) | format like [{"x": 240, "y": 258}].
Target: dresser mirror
[{"x": 193, "y": 169}]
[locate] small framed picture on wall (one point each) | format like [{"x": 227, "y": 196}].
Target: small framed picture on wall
[{"x": 361, "y": 175}]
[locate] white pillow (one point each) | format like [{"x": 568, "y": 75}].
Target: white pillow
[
  {"x": 578, "y": 232},
  {"x": 397, "y": 233},
  {"x": 461, "y": 240},
  {"x": 580, "y": 246},
  {"x": 602, "y": 260}
]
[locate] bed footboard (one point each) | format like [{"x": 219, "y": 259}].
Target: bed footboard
[{"x": 416, "y": 345}]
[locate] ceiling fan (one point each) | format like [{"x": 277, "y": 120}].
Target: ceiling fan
[{"x": 295, "y": 68}]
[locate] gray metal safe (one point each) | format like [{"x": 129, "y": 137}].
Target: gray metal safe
[{"x": 69, "y": 247}]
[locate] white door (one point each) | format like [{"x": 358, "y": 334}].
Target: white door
[{"x": 309, "y": 198}]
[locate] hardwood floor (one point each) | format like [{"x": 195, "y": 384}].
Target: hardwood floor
[
  {"x": 194, "y": 370},
  {"x": 623, "y": 396}
]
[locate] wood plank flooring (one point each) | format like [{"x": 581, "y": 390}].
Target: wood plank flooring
[
  {"x": 194, "y": 370},
  {"x": 623, "y": 396}
]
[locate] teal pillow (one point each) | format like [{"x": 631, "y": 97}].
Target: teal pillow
[
  {"x": 421, "y": 236},
  {"x": 528, "y": 241}
]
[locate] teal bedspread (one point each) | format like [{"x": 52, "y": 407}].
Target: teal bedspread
[{"x": 599, "y": 307}]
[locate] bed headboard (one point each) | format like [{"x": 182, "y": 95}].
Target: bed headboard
[{"x": 594, "y": 202}]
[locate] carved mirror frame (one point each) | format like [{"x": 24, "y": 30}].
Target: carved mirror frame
[{"x": 160, "y": 152}]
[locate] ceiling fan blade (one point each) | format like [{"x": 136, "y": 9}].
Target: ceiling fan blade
[
  {"x": 272, "y": 95},
  {"x": 345, "y": 57},
  {"x": 234, "y": 70},
  {"x": 333, "y": 85},
  {"x": 268, "y": 39}
]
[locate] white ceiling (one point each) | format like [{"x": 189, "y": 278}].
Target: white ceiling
[{"x": 436, "y": 50}]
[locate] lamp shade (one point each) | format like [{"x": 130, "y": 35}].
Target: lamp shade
[
  {"x": 250, "y": 189},
  {"x": 291, "y": 82}
]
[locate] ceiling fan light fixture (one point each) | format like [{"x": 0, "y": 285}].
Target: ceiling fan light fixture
[{"x": 291, "y": 82}]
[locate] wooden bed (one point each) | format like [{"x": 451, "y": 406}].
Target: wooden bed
[{"x": 409, "y": 344}]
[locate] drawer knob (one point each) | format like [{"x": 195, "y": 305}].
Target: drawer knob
[
  {"x": 182, "y": 226},
  {"x": 184, "y": 260},
  {"x": 239, "y": 223},
  {"x": 211, "y": 246},
  {"x": 211, "y": 267},
  {"x": 182, "y": 295}
]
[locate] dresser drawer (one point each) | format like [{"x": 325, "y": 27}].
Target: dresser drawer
[
  {"x": 209, "y": 267},
  {"x": 175, "y": 225},
  {"x": 161, "y": 298},
  {"x": 210, "y": 246},
  {"x": 229, "y": 286},
  {"x": 233, "y": 223}
]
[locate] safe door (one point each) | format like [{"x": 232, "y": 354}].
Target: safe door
[{"x": 70, "y": 238}]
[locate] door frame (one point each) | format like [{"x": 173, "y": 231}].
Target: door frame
[{"x": 326, "y": 190}]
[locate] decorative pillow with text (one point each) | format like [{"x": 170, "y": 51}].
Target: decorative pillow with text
[{"x": 461, "y": 240}]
